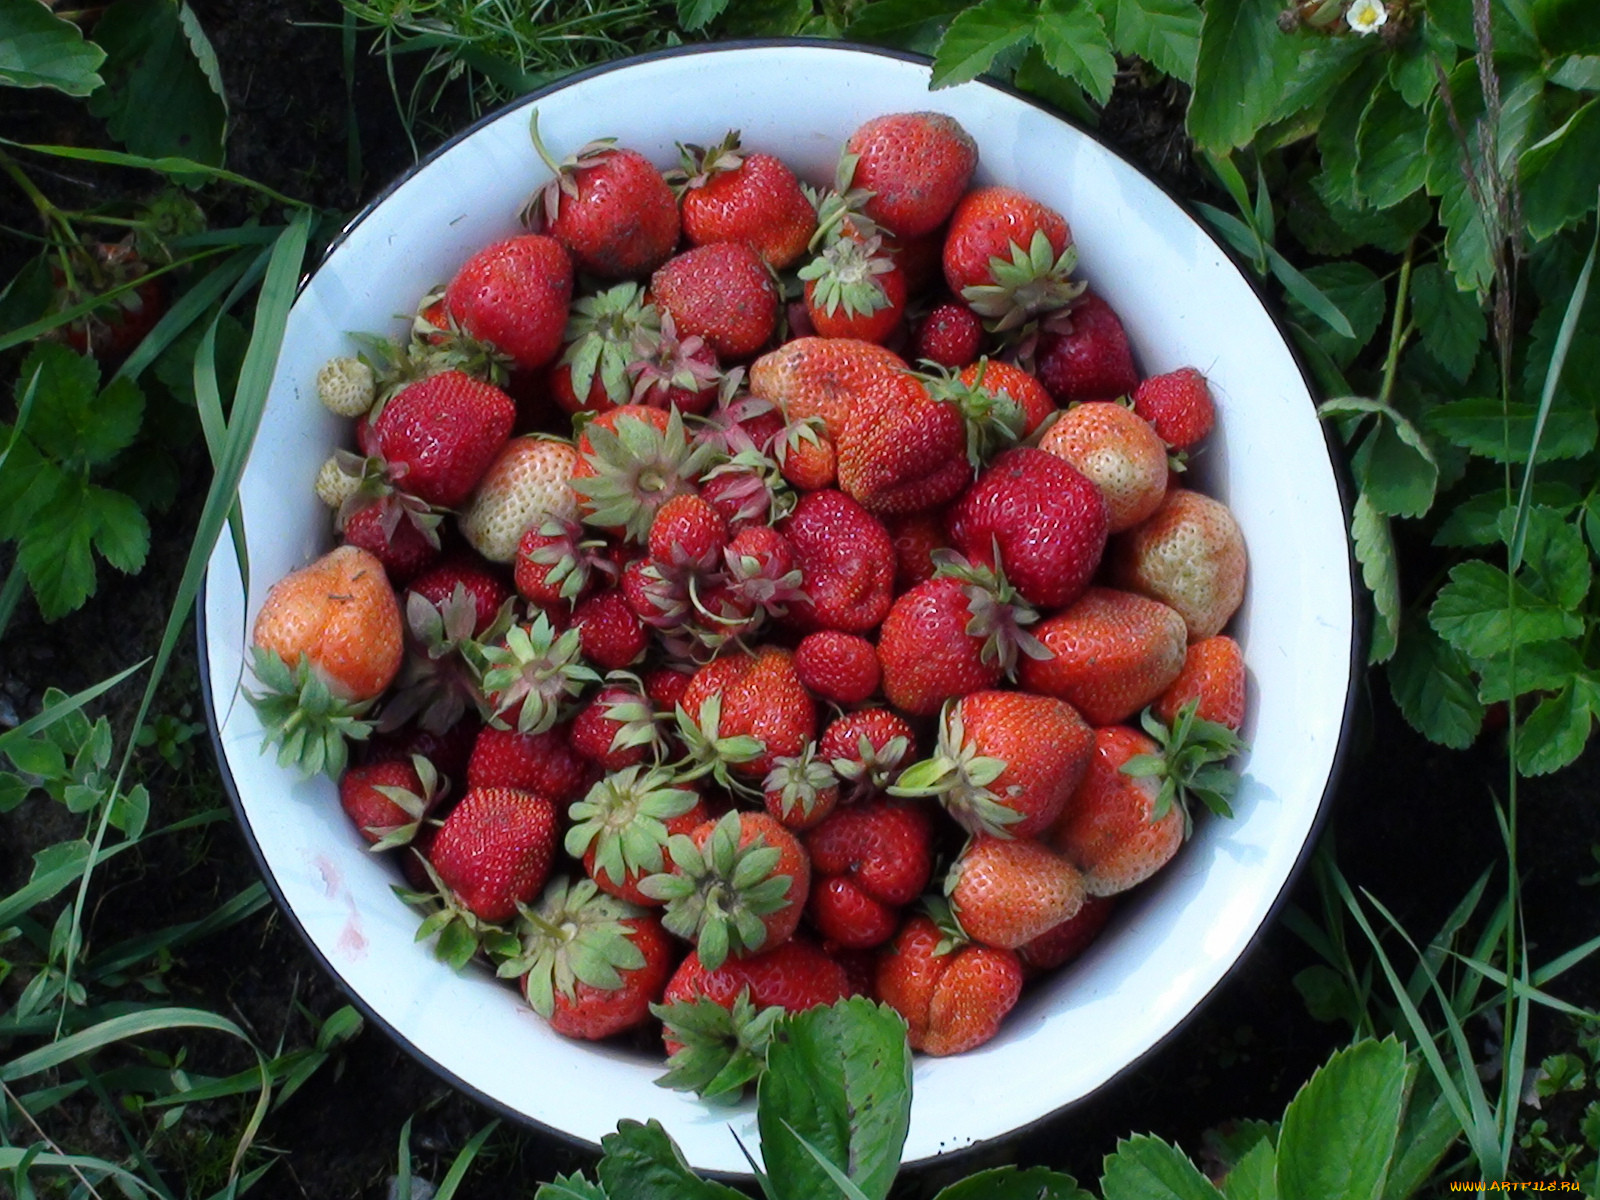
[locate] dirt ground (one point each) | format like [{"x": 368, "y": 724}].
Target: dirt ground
[{"x": 1411, "y": 822}]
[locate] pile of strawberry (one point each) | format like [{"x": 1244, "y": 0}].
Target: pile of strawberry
[{"x": 760, "y": 667}]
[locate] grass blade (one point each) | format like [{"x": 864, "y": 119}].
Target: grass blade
[
  {"x": 155, "y": 1020},
  {"x": 185, "y": 311},
  {"x": 170, "y": 165},
  {"x": 463, "y": 1162}
]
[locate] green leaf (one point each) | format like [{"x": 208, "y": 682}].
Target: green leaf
[
  {"x": 1480, "y": 519},
  {"x": 1504, "y": 433},
  {"x": 913, "y": 24},
  {"x": 1165, "y": 33},
  {"x": 840, "y": 1079},
  {"x": 1358, "y": 294},
  {"x": 1255, "y": 1176},
  {"x": 1339, "y": 1132},
  {"x": 1015, "y": 1183},
  {"x": 977, "y": 36},
  {"x": 55, "y": 552},
  {"x": 1554, "y": 734},
  {"x": 1560, "y": 174},
  {"x": 121, "y": 534},
  {"x": 39, "y": 49},
  {"x": 1380, "y": 571},
  {"x": 1581, "y": 73},
  {"x": 1074, "y": 43},
  {"x": 1453, "y": 18},
  {"x": 1466, "y": 241},
  {"x": 697, "y": 14},
  {"x": 1391, "y": 162},
  {"x": 570, "y": 1187},
  {"x": 642, "y": 1162},
  {"x": 1479, "y": 612},
  {"x": 1557, "y": 558},
  {"x": 1452, "y": 322},
  {"x": 1338, "y": 133},
  {"x": 160, "y": 98},
  {"x": 1398, "y": 475},
  {"x": 1543, "y": 667},
  {"x": 1243, "y": 65},
  {"x": 1037, "y": 78},
  {"x": 1302, "y": 289},
  {"x": 1146, "y": 1168}
]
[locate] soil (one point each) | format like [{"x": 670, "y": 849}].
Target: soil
[{"x": 1411, "y": 823}]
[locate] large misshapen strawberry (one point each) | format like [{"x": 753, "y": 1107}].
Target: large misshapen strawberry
[
  {"x": 901, "y": 450},
  {"x": 952, "y": 993}
]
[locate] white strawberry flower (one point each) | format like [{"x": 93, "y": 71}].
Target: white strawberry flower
[{"x": 1366, "y": 16}]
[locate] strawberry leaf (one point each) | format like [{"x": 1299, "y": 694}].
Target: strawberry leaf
[
  {"x": 1073, "y": 41},
  {"x": 977, "y": 36},
  {"x": 40, "y": 49},
  {"x": 570, "y": 1187},
  {"x": 1242, "y": 67},
  {"x": 1380, "y": 571},
  {"x": 1015, "y": 1183},
  {"x": 1451, "y": 322},
  {"x": 1165, "y": 33},
  {"x": 1144, "y": 1167},
  {"x": 1556, "y": 732},
  {"x": 1479, "y": 612},
  {"x": 642, "y": 1162}
]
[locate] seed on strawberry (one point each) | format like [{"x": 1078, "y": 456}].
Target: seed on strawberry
[{"x": 1190, "y": 555}]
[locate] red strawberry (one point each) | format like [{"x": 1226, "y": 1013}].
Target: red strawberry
[
  {"x": 609, "y": 634},
  {"x": 916, "y": 537},
  {"x": 1006, "y": 892},
  {"x": 388, "y": 800},
  {"x": 447, "y": 750},
  {"x": 1190, "y": 555},
  {"x": 731, "y": 196},
  {"x": 1047, "y": 522},
  {"x": 689, "y": 533},
  {"x": 951, "y": 336},
  {"x": 514, "y": 296},
  {"x": 915, "y": 167},
  {"x": 994, "y": 379},
  {"x": 494, "y": 850},
  {"x": 854, "y": 290},
  {"x": 806, "y": 457},
  {"x": 529, "y": 483},
  {"x": 1111, "y": 654},
  {"x": 440, "y": 680},
  {"x": 1113, "y": 830},
  {"x": 1213, "y": 676},
  {"x": 1007, "y": 762},
  {"x": 1009, "y": 256},
  {"x": 1089, "y": 358},
  {"x": 589, "y": 964},
  {"x": 621, "y": 827},
  {"x": 669, "y": 371},
  {"x": 901, "y": 450},
  {"x": 485, "y": 589},
  {"x": 608, "y": 206},
  {"x": 722, "y": 292},
  {"x": 1060, "y": 944},
  {"x": 109, "y": 332},
  {"x": 1118, "y": 451},
  {"x": 545, "y": 763},
  {"x": 600, "y": 335},
  {"x": 743, "y": 711},
  {"x": 440, "y": 434},
  {"x": 846, "y": 563},
  {"x": 617, "y": 728},
  {"x": 737, "y": 885},
  {"x": 1179, "y": 405},
  {"x": 556, "y": 565},
  {"x": 801, "y": 789},
  {"x": 955, "y": 634},
  {"x": 867, "y": 749},
  {"x": 332, "y": 628},
  {"x": 665, "y": 686},
  {"x": 837, "y": 667},
  {"x": 404, "y": 546},
  {"x": 952, "y": 995},
  {"x": 868, "y": 861}
]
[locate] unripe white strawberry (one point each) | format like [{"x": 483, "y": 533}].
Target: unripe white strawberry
[
  {"x": 530, "y": 482},
  {"x": 334, "y": 484},
  {"x": 346, "y": 386}
]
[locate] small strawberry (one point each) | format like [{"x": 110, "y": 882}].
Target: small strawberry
[
  {"x": 841, "y": 668},
  {"x": 1006, "y": 764},
  {"x": 556, "y": 565},
  {"x": 761, "y": 571},
  {"x": 743, "y": 711},
  {"x": 1041, "y": 517},
  {"x": 545, "y": 763},
  {"x": 846, "y": 563},
  {"x": 404, "y": 541},
  {"x": 951, "y": 335},
  {"x": 494, "y": 850},
  {"x": 668, "y": 371},
  {"x": 608, "y": 206},
  {"x": 110, "y": 331},
  {"x": 514, "y": 295},
  {"x": 915, "y": 167},
  {"x": 621, "y": 827},
  {"x": 717, "y": 1023},
  {"x": 854, "y": 290},
  {"x": 590, "y": 964},
  {"x": 1060, "y": 944},
  {"x": 440, "y": 434},
  {"x": 737, "y": 885},
  {"x": 1084, "y": 355},
  {"x": 801, "y": 789},
  {"x": 1179, "y": 405},
  {"x": 722, "y": 292},
  {"x": 1190, "y": 555},
  {"x": 1009, "y": 256},
  {"x": 1006, "y": 892},
  {"x": 952, "y": 993},
  {"x": 609, "y": 634},
  {"x": 1213, "y": 676},
  {"x": 617, "y": 727},
  {"x": 601, "y": 334},
  {"x": 806, "y": 456},
  {"x": 631, "y": 461},
  {"x": 727, "y": 195},
  {"x": 326, "y": 642},
  {"x": 959, "y": 632},
  {"x": 440, "y": 680},
  {"x": 1112, "y": 653},
  {"x": 868, "y": 861},
  {"x": 1118, "y": 451},
  {"x": 346, "y": 386},
  {"x": 387, "y": 801},
  {"x": 529, "y": 483},
  {"x": 688, "y": 533},
  {"x": 867, "y": 750},
  {"x": 993, "y": 380},
  {"x": 531, "y": 677}
]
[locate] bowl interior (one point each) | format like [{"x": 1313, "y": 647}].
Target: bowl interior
[{"x": 1183, "y": 303}]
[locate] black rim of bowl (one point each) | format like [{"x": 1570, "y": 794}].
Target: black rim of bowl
[{"x": 1357, "y": 641}]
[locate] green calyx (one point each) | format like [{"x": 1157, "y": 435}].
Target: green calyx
[
  {"x": 943, "y": 915},
  {"x": 872, "y": 770},
  {"x": 638, "y": 468},
  {"x": 1031, "y": 282},
  {"x": 722, "y": 1049},
  {"x": 1189, "y": 763},
  {"x": 846, "y": 274},
  {"x": 698, "y": 165},
  {"x": 708, "y": 752},
  {"x": 574, "y": 934},
  {"x": 623, "y": 818},
  {"x": 535, "y": 672},
  {"x": 993, "y": 418},
  {"x": 998, "y": 616},
  {"x": 601, "y": 334},
  {"x": 717, "y": 895},
  {"x": 459, "y": 933},
  {"x": 414, "y": 804},
  {"x": 840, "y": 205},
  {"x": 311, "y": 727},
  {"x": 544, "y": 205},
  {"x": 960, "y": 778},
  {"x": 798, "y": 782}
]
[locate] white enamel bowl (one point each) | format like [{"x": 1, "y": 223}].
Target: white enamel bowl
[{"x": 1183, "y": 302}]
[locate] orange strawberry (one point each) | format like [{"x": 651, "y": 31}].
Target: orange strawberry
[
  {"x": 915, "y": 167},
  {"x": 1119, "y": 452},
  {"x": 726, "y": 195},
  {"x": 823, "y": 378},
  {"x": 1190, "y": 555},
  {"x": 722, "y": 292},
  {"x": 529, "y": 483},
  {"x": 1009, "y": 256},
  {"x": 952, "y": 994},
  {"x": 1007, "y": 892},
  {"x": 1006, "y": 764},
  {"x": 1213, "y": 675},
  {"x": 1112, "y": 653},
  {"x": 326, "y": 642}
]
